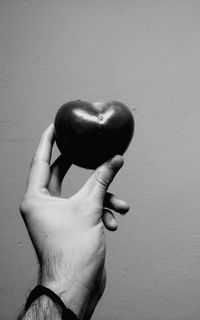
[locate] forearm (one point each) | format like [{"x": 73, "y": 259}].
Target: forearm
[
  {"x": 56, "y": 303},
  {"x": 42, "y": 309}
]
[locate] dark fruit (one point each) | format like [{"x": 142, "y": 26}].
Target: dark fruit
[{"x": 91, "y": 133}]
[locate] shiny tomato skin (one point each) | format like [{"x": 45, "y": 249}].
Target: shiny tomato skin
[{"x": 89, "y": 134}]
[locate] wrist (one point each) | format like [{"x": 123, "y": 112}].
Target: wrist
[{"x": 74, "y": 296}]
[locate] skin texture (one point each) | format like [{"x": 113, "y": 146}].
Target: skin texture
[{"x": 68, "y": 233}]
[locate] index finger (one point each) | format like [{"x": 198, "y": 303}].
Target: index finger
[{"x": 40, "y": 166}]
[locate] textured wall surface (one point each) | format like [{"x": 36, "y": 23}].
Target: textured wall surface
[{"x": 147, "y": 55}]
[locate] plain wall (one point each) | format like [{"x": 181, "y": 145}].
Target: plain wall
[{"x": 147, "y": 55}]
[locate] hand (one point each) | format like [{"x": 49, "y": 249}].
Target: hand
[{"x": 68, "y": 234}]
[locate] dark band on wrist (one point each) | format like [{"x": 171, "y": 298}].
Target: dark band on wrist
[{"x": 39, "y": 290}]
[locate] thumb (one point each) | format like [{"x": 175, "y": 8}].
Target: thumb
[{"x": 99, "y": 182}]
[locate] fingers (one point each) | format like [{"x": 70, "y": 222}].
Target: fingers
[
  {"x": 99, "y": 182},
  {"x": 58, "y": 170},
  {"x": 114, "y": 203},
  {"x": 39, "y": 171},
  {"x": 109, "y": 220},
  {"x": 111, "y": 202},
  {"x": 105, "y": 174}
]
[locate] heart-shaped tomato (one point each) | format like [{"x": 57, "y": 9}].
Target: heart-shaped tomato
[{"x": 89, "y": 134}]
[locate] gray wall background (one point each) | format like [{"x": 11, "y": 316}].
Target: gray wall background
[{"x": 147, "y": 55}]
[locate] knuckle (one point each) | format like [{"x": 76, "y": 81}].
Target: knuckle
[
  {"x": 27, "y": 204},
  {"x": 24, "y": 206},
  {"x": 103, "y": 177}
]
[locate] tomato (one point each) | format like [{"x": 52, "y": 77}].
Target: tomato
[{"x": 91, "y": 133}]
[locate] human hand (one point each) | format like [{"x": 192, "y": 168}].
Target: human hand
[{"x": 68, "y": 234}]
